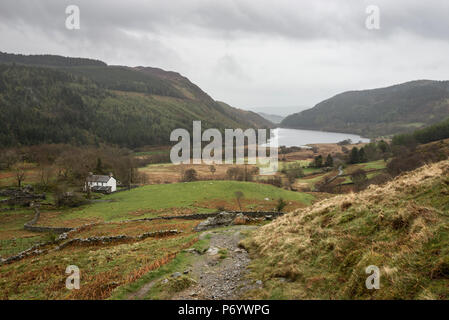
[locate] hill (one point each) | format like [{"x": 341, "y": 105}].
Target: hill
[
  {"x": 379, "y": 112},
  {"x": 253, "y": 119},
  {"x": 48, "y": 60},
  {"x": 321, "y": 252},
  {"x": 431, "y": 133},
  {"x": 53, "y": 99},
  {"x": 272, "y": 117}
]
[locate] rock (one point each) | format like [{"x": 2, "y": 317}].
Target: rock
[
  {"x": 259, "y": 282},
  {"x": 212, "y": 251},
  {"x": 221, "y": 219},
  {"x": 240, "y": 219},
  {"x": 176, "y": 275},
  {"x": 165, "y": 281},
  {"x": 267, "y": 199}
]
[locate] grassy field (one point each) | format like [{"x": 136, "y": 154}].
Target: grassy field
[
  {"x": 103, "y": 268},
  {"x": 373, "y": 165},
  {"x": 147, "y": 201},
  {"x": 321, "y": 252},
  {"x": 315, "y": 176},
  {"x": 178, "y": 198},
  {"x": 113, "y": 270}
]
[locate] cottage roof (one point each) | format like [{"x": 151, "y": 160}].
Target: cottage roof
[{"x": 98, "y": 178}]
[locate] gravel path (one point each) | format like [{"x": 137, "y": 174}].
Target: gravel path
[{"x": 220, "y": 278}]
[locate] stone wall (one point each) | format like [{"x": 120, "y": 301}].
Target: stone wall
[
  {"x": 46, "y": 229},
  {"x": 200, "y": 216},
  {"x": 64, "y": 232},
  {"x": 30, "y": 225},
  {"x": 36, "y": 249}
]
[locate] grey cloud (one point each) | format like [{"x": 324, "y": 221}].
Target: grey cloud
[
  {"x": 247, "y": 52},
  {"x": 343, "y": 19}
]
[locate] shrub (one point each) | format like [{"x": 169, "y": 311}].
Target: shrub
[
  {"x": 281, "y": 204},
  {"x": 69, "y": 199},
  {"x": 190, "y": 175}
]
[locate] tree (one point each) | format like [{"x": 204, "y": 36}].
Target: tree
[
  {"x": 238, "y": 196},
  {"x": 318, "y": 162},
  {"x": 291, "y": 178},
  {"x": 329, "y": 161},
  {"x": 383, "y": 146},
  {"x": 354, "y": 156},
  {"x": 99, "y": 167},
  {"x": 190, "y": 175},
  {"x": 281, "y": 204},
  {"x": 46, "y": 173},
  {"x": 362, "y": 156},
  {"x": 8, "y": 158},
  {"x": 358, "y": 177},
  {"x": 212, "y": 169},
  {"x": 19, "y": 172}
]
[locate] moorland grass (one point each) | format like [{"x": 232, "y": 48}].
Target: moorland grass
[{"x": 322, "y": 252}]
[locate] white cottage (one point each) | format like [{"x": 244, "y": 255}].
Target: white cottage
[{"x": 100, "y": 183}]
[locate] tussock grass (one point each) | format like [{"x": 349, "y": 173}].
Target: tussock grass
[{"x": 321, "y": 252}]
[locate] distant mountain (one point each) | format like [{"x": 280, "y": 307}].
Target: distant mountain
[
  {"x": 252, "y": 119},
  {"x": 272, "y": 117},
  {"x": 53, "y": 99},
  {"x": 48, "y": 60},
  {"x": 379, "y": 112}
]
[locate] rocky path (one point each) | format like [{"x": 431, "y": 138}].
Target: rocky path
[{"x": 220, "y": 272}]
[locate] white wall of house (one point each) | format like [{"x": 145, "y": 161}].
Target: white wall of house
[{"x": 111, "y": 183}]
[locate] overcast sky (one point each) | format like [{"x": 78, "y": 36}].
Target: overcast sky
[{"x": 252, "y": 54}]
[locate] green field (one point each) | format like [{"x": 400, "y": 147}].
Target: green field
[{"x": 152, "y": 200}]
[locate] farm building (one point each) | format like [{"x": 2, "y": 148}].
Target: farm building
[{"x": 101, "y": 183}]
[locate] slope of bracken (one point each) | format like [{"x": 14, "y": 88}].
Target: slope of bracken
[{"x": 322, "y": 252}]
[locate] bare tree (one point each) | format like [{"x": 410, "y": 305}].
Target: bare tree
[
  {"x": 46, "y": 174},
  {"x": 212, "y": 169},
  {"x": 20, "y": 173},
  {"x": 238, "y": 196}
]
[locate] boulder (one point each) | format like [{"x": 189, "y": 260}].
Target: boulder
[
  {"x": 241, "y": 219},
  {"x": 212, "y": 251},
  {"x": 221, "y": 219}
]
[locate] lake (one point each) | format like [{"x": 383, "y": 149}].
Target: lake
[{"x": 297, "y": 137}]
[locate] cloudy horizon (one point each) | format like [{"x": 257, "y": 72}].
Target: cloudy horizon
[{"x": 268, "y": 56}]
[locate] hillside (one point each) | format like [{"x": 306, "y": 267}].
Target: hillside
[
  {"x": 321, "y": 252},
  {"x": 251, "y": 118},
  {"x": 272, "y": 117},
  {"x": 52, "y": 99},
  {"x": 379, "y": 112},
  {"x": 431, "y": 133}
]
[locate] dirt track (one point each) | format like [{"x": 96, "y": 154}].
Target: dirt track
[{"x": 220, "y": 278}]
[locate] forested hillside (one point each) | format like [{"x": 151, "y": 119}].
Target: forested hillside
[
  {"x": 432, "y": 133},
  {"x": 82, "y": 101},
  {"x": 379, "y": 112}
]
